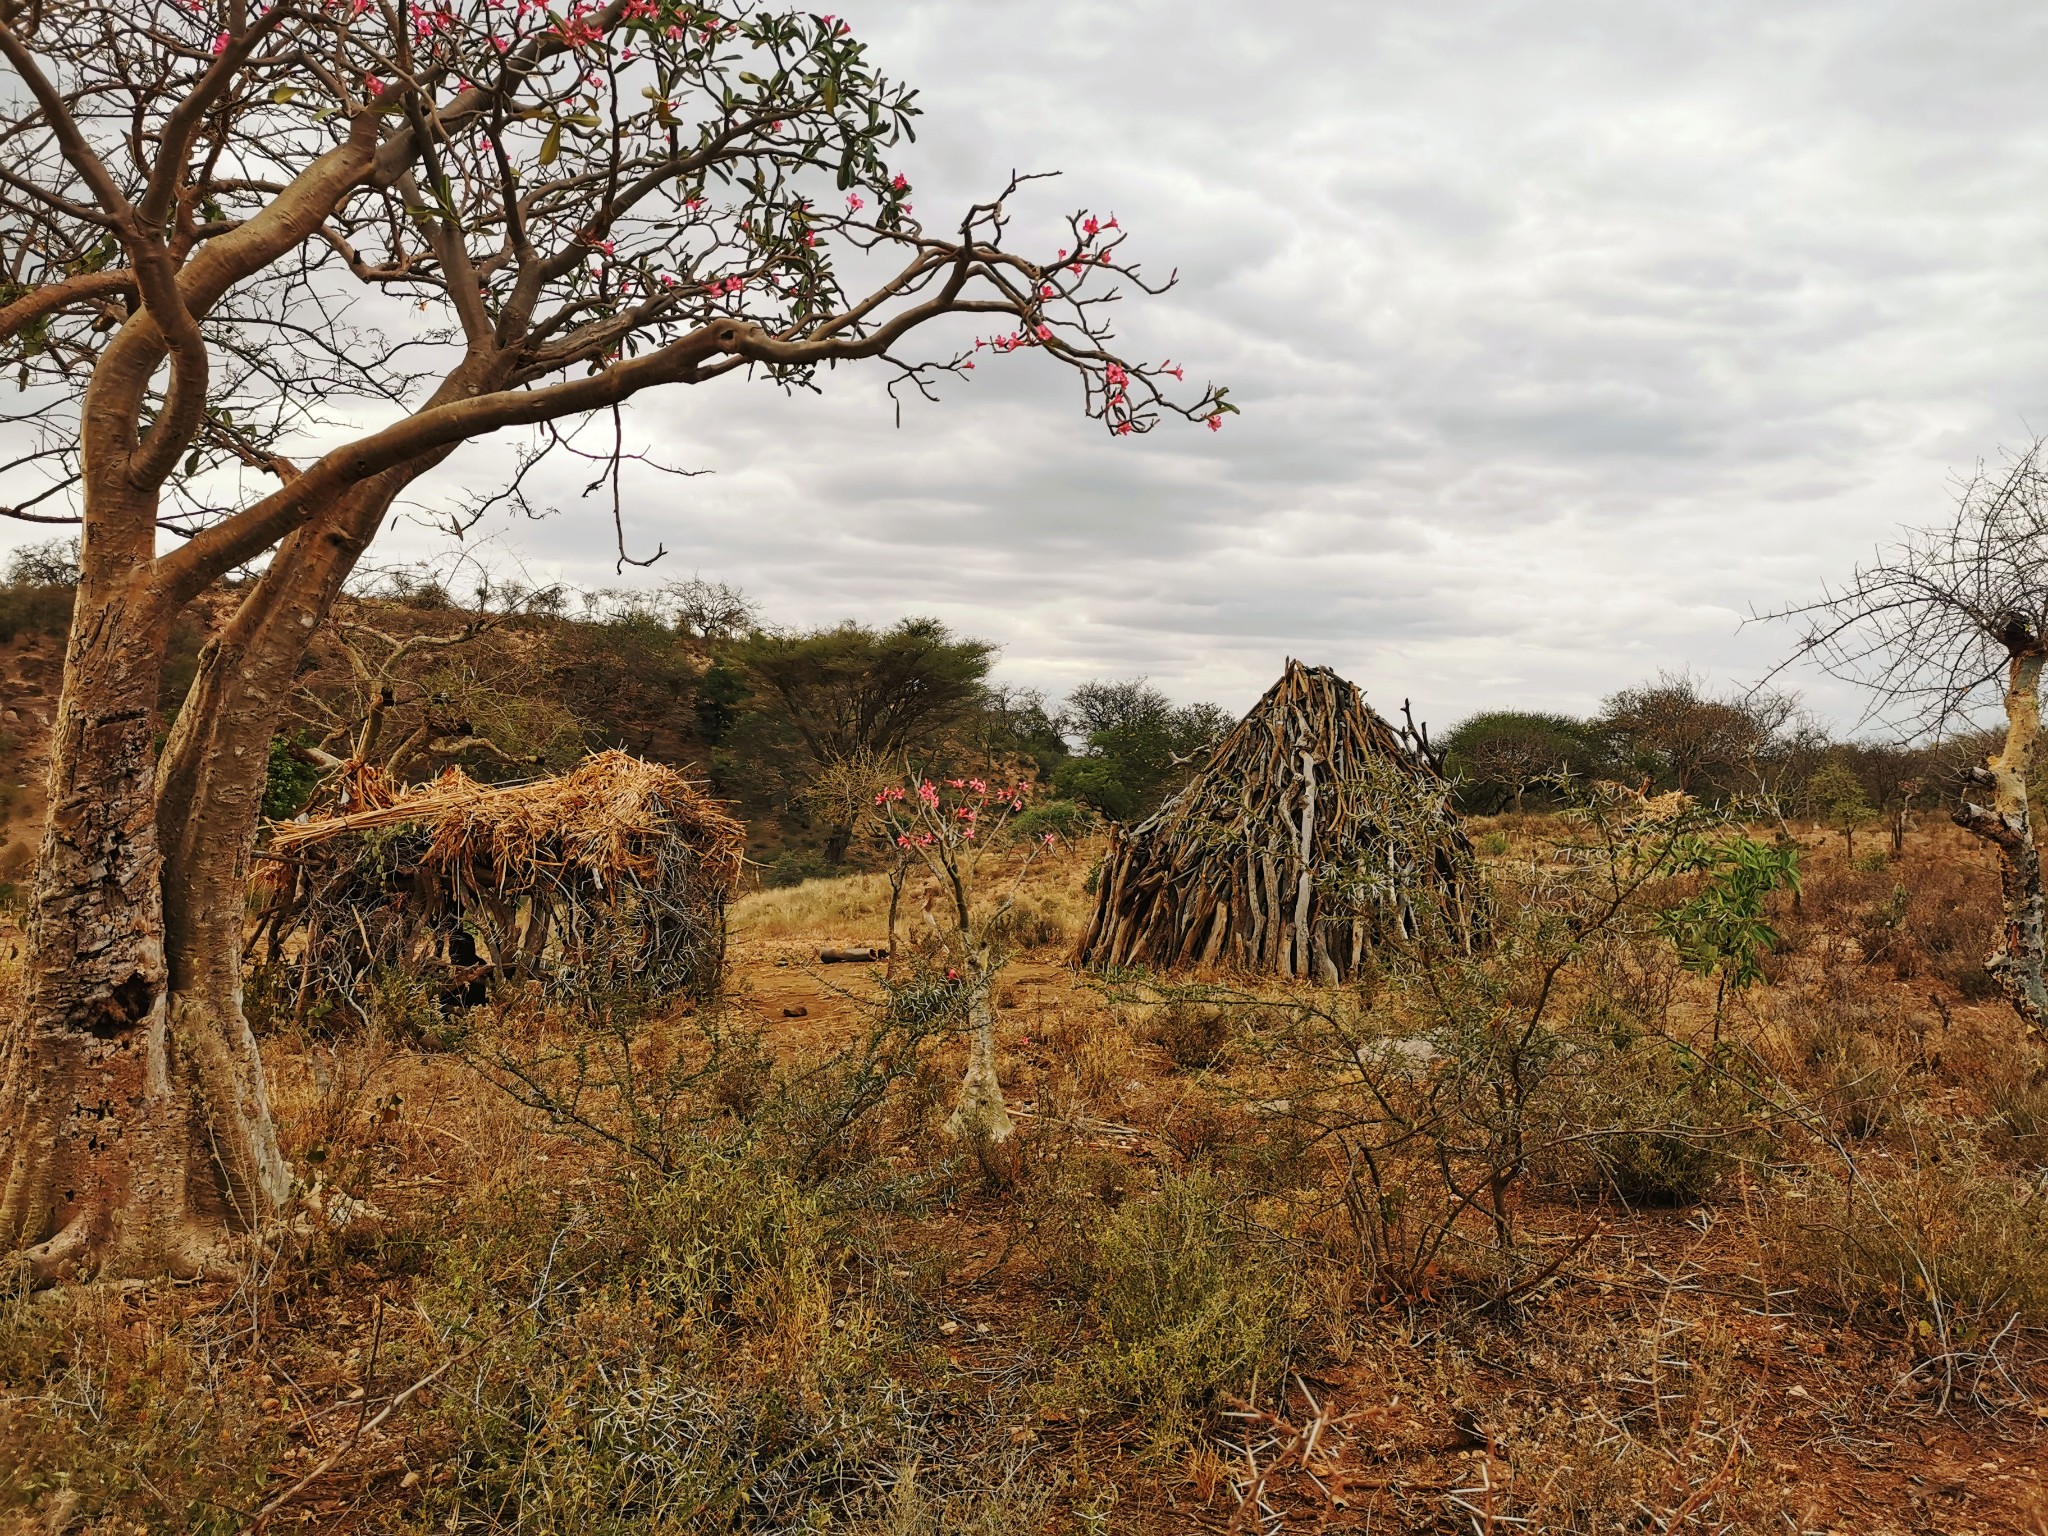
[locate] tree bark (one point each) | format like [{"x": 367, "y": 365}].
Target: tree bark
[
  {"x": 979, "y": 1117},
  {"x": 123, "y": 1136},
  {"x": 2007, "y": 824}
]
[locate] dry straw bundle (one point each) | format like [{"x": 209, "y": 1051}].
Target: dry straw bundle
[
  {"x": 617, "y": 871},
  {"x": 1312, "y": 834}
]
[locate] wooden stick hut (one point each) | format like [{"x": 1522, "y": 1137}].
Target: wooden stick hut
[
  {"x": 616, "y": 873},
  {"x": 1313, "y": 833}
]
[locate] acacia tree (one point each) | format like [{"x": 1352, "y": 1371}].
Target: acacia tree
[
  {"x": 265, "y": 269},
  {"x": 1683, "y": 730},
  {"x": 856, "y": 697},
  {"x": 1933, "y": 625}
]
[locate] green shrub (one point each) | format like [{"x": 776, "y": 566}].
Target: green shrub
[
  {"x": 1067, "y": 819},
  {"x": 1189, "y": 1309},
  {"x": 35, "y": 610},
  {"x": 796, "y": 865},
  {"x": 1664, "y": 1126}
]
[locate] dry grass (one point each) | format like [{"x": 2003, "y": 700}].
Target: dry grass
[
  {"x": 1163, "y": 1322},
  {"x": 851, "y": 908}
]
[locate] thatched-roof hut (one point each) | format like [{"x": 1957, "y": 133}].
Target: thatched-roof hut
[
  {"x": 616, "y": 873},
  {"x": 1312, "y": 834}
]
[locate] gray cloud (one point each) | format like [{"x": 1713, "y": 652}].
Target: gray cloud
[{"x": 1565, "y": 332}]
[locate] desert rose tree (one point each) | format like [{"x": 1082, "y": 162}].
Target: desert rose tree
[{"x": 267, "y": 267}]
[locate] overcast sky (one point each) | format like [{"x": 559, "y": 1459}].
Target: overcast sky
[{"x": 1564, "y": 333}]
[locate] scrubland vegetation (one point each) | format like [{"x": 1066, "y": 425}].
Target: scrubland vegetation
[{"x": 1540, "y": 1236}]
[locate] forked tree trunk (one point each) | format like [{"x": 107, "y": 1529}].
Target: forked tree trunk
[
  {"x": 135, "y": 1131},
  {"x": 126, "y": 1135},
  {"x": 2007, "y": 824}
]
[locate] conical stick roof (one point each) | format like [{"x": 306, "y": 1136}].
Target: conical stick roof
[{"x": 1312, "y": 834}]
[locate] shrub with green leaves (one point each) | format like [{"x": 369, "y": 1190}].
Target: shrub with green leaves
[
  {"x": 1664, "y": 1125},
  {"x": 1189, "y": 1309}
]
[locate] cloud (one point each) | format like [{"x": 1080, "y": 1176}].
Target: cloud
[{"x": 1565, "y": 333}]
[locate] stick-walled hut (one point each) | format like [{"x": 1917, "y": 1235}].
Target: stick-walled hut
[{"x": 1312, "y": 834}]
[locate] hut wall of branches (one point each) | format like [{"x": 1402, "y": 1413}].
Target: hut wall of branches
[
  {"x": 1314, "y": 833},
  {"x": 612, "y": 876}
]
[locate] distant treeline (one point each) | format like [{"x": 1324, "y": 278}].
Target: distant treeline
[
  {"x": 795, "y": 724},
  {"x": 1673, "y": 733}
]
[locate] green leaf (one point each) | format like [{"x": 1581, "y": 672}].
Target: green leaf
[
  {"x": 551, "y": 146},
  {"x": 284, "y": 93}
]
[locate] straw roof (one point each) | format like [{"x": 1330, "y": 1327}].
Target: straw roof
[{"x": 607, "y": 821}]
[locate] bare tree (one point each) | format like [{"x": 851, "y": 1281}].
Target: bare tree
[
  {"x": 231, "y": 236},
  {"x": 1934, "y": 626}
]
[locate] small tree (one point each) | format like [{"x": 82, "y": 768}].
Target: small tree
[
  {"x": 1674, "y": 727},
  {"x": 1723, "y": 929},
  {"x": 1838, "y": 799},
  {"x": 1934, "y": 627},
  {"x": 855, "y": 696},
  {"x": 955, "y": 828},
  {"x": 1501, "y": 754},
  {"x": 1137, "y": 746}
]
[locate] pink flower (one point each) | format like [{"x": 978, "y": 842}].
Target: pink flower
[
  {"x": 1045, "y": 333},
  {"x": 1050, "y": 838},
  {"x": 1178, "y": 373},
  {"x": 220, "y": 45},
  {"x": 1046, "y": 290},
  {"x": 1122, "y": 429},
  {"x": 1115, "y": 376},
  {"x": 1216, "y": 422},
  {"x": 1091, "y": 227},
  {"x": 854, "y": 202},
  {"x": 899, "y": 183}
]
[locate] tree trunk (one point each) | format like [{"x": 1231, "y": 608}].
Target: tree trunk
[
  {"x": 138, "y": 1137},
  {"x": 126, "y": 1144},
  {"x": 2007, "y": 824},
  {"x": 980, "y": 1117},
  {"x": 838, "y": 841}
]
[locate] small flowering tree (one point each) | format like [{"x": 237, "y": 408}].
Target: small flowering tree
[{"x": 956, "y": 829}]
